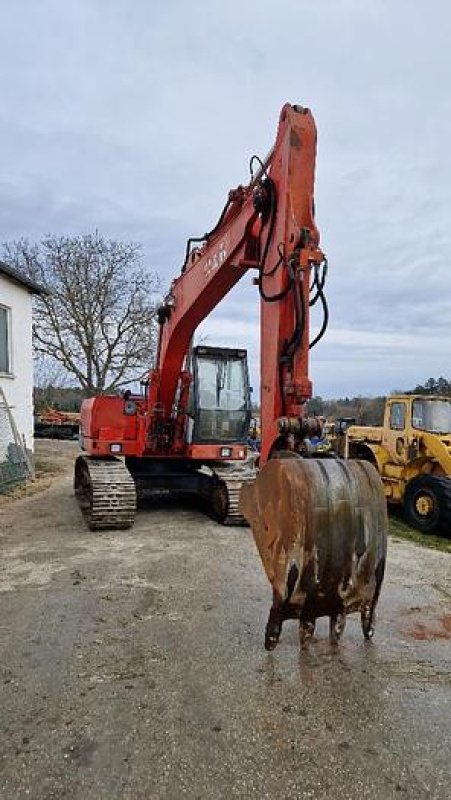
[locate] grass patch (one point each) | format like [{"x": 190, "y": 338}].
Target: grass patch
[{"x": 399, "y": 529}]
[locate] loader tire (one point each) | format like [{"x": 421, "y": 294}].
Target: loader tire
[{"x": 427, "y": 504}]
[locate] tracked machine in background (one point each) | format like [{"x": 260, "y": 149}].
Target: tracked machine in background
[{"x": 319, "y": 524}]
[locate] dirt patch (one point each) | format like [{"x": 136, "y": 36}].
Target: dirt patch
[
  {"x": 38, "y": 484},
  {"x": 441, "y": 629}
]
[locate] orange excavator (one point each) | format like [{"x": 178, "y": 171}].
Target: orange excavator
[{"x": 319, "y": 523}]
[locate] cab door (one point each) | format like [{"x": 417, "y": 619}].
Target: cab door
[{"x": 394, "y": 436}]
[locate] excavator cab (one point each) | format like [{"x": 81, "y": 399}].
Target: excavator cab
[{"x": 220, "y": 399}]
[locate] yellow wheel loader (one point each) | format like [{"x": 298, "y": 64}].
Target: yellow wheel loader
[{"x": 412, "y": 453}]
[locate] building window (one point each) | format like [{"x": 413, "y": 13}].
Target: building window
[{"x": 5, "y": 363}]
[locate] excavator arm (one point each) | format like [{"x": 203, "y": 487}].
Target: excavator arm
[{"x": 267, "y": 226}]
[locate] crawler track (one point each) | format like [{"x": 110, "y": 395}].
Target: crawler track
[
  {"x": 106, "y": 493},
  {"x": 226, "y": 493}
]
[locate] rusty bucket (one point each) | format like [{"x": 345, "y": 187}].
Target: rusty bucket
[{"x": 320, "y": 526}]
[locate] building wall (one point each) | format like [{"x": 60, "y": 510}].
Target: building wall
[{"x": 18, "y": 386}]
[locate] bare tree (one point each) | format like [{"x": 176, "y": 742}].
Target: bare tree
[
  {"x": 48, "y": 372},
  {"x": 98, "y": 320}
]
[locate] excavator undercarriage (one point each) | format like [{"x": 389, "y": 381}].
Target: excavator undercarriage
[{"x": 108, "y": 490}]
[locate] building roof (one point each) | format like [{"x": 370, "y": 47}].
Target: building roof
[{"x": 18, "y": 277}]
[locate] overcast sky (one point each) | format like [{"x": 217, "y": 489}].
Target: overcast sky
[{"x": 136, "y": 117}]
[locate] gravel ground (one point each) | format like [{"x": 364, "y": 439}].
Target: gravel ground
[{"x": 132, "y": 666}]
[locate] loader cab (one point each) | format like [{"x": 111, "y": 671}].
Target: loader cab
[
  {"x": 428, "y": 413},
  {"x": 406, "y": 416},
  {"x": 220, "y": 398}
]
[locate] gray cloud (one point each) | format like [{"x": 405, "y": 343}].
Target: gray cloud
[{"x": 137, "y": 118}]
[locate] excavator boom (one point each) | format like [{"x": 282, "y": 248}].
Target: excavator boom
[{"x": 267, "y": 226}]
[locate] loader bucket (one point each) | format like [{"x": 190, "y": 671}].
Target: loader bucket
[{"x": 320, "y": 526}]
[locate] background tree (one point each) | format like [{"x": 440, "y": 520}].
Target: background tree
[
  {"x": 365, "y": 410},
  {"x": 99, "y": 319},
  {"x": 433, "y": 386}
]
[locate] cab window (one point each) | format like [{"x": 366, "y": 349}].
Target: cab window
[{"x": 397, "y": 416}]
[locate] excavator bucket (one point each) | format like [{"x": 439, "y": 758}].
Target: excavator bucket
[{"x": 320, "y": 526}]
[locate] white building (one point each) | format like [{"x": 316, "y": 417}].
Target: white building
[{"x": 16, "y": 355}]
